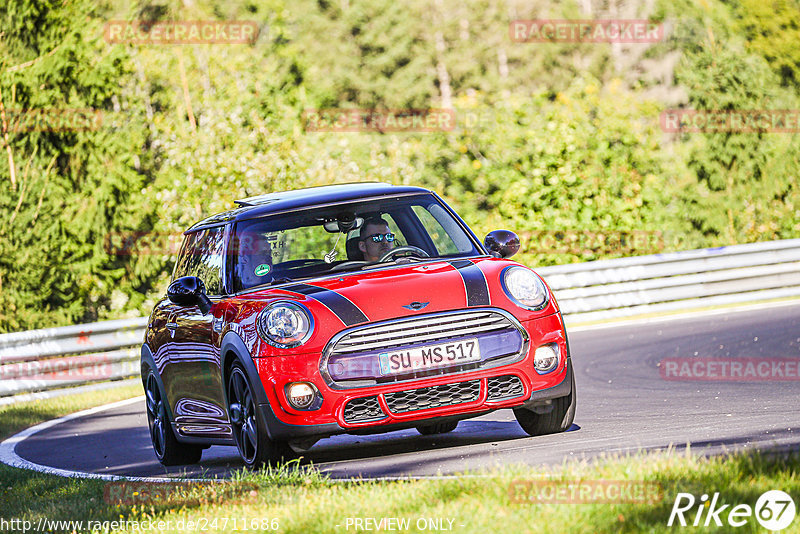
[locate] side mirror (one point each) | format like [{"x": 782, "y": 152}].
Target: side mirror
[
  {"x": 189, "y": 291},
  {"x": 503, "y": 243}
]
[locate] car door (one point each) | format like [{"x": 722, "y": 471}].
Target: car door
[
  {"x": 193, "y": 379},
  {"x": 162, "y": 326}
]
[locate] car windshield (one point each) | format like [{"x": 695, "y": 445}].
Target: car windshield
[{"x": 321, "y": 240}]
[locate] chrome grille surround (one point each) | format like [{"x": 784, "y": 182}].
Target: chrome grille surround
[
  {"x": 419, "y": 330},
  {"x": 429, "y": 328}
]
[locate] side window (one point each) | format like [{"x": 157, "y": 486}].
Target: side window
[
  {"x": 400, "y": 239},
  {"x": 444, "y": 244},
  {"x": 182, "y": 264},
  {"x": 202, "y": 256}
]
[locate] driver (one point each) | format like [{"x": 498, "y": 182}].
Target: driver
[
  {"x": 254, "y": 260},
  {"x": 376, "y": 239}
]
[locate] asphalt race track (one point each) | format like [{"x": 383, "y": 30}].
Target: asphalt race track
[{"x": 624, "y": 405}]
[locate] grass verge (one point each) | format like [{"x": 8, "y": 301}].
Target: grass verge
[
  {"x": 26, "y": 494},
  {"x": 16, "y": 417},
  {"x": 295, "y": 500}
]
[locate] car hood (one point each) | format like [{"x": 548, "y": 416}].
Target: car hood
[{"x": 407, "y": 290}]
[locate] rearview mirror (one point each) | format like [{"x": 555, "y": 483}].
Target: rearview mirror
[
  {"x": 502, "y": 243},
  {"x": 343, "y": 224}
]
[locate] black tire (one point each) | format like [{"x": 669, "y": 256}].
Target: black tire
[
  {"x": 255, "y": 447},
  {"x": 438, "y": 428},
  {"x": 168, "y": 449},
  {"x": 559, "y": 419}
]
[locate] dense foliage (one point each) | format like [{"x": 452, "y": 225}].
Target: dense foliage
[
  {"x": 67, "y": 183},
  {"x": 552, "y": 140}
]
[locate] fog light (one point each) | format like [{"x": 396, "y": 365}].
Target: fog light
[
  {"x": 545, "y": 359},
  {"x": 301, "y": 395}
]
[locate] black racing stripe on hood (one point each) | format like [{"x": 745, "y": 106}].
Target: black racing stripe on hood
[
  {"x": 474, "y": 282},
  {"x": 340, "y": 305}
]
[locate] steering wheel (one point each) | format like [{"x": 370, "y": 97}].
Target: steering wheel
[{"x": 408, "y": 248}]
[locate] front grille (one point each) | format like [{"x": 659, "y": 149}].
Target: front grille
[
  {"x": 423, "y": 329},
  {"x": 363, "y": 409},
  {"x": 504, "y": 387},
  {"x": 433, "y": 397}
]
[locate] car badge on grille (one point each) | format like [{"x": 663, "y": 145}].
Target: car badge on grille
[{"x": 415, "y": 306}]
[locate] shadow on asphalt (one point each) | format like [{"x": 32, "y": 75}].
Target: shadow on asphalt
[
  {"x": 469, "y": 432},
  {"x": 107, "y": 443}
]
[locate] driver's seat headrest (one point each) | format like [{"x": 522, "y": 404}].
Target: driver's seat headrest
[{"x": 351, "y": 246}]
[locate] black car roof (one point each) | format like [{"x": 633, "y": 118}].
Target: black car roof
[{"x": 304, "y": 198}]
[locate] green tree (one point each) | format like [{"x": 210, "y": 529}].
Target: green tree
[
  {"x": 67, "y": 186},
  {"x": 745, "y": 188},
  {"x": 772, "y": 30}
]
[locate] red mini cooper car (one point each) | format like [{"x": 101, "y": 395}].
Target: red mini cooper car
[{"x": 359, "y": 308}]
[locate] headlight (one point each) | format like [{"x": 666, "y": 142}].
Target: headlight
[
  {"x": 524, "y": 288},
  {"x": 285, "y": 324}
]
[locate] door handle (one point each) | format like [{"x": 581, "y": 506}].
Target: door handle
[{"x": 172, "y": 326}]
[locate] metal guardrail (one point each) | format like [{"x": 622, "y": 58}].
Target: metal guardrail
[
  {"x": 53, "y": 358},
  {"x": 675, "y": 281}
]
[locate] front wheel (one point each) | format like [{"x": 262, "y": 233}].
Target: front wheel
[
  {"x": 255, "y": 447},
  {"x": 538, "y": 421},
  {"x": 168, "y": 449}
]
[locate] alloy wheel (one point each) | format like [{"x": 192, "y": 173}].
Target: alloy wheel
[
  {"x": 156, "y": 416},
  {"x": 243, "y": 415}
]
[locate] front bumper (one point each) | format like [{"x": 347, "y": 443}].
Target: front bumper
[
  {"x": 279, "y": 430},
  {"x": 386, "y": 407}
]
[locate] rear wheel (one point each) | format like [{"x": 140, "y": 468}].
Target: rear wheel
[
  {"x": 438, "y": 428},
  {"x": 168, "y": 449},
  {"x": 550, "y": 419},
  {"x": 255, "y": 447}
]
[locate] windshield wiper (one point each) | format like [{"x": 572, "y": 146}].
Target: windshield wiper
[
  {"x": 281, "y": 280},
  {"x": 408, "y": 259}
]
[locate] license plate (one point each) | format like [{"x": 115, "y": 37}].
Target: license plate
[{"x": 430, "y": 357}]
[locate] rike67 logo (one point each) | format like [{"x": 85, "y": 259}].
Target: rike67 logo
[{"x": 774, "y": 510}]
